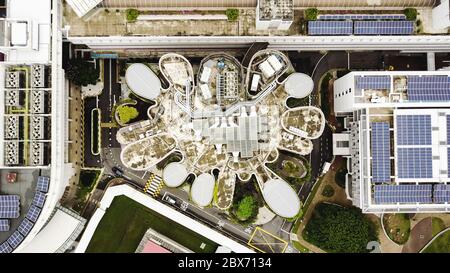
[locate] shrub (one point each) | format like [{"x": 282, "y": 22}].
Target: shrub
[
  {"x": 127, "y": 113},
  {"x": 328, "y": 191},
  {"x": 232, "y": 14},
  {"x": 311, "y": 14},
  {"x": 132, "y": 15},
  {"x": 410, "y": 13},
  {"x": 246, "y": 208},
  {"x": 81, "y": 72},
  {"x": 340, "y": 177}
]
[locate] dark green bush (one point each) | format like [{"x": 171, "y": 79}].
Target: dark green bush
[
  {"x": 410, "y": 13},
  {"x": 132, "y": 15},
  {"x": 328, "y": 191},
  {"x": 311, "y": 14},
  {"x": 232, "y": 14}
]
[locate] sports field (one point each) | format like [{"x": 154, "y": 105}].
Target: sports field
[{"x": 125, "y": 223}]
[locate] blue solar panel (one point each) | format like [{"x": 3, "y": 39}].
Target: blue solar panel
[
  {"x": 42, "y": 184},
  {"x": 330, "y": 28},
  {"x": 362, "y": 17},
  {"x": 39, "y": 199},
  {"x": 383, "y": 27},
  {"x": 9, "y": 198},
  {"x": 442, "y": 193},
  {"x": 25, "y": 227},
  {"x": 5, "y": 248},
  {"x": 4, "y": 224},
  {"x": 391, "y": 194},
  {"x": 33, "y": 213},
  {"x": 15, "y": 239},
  {"x": 373, "y": 82},
  {"x": 413, "y": 130},
  {"x": 448, "y": 130},
  {"x": 381, "y": 150},
  {"x": 428, "y": 88},
  {"x": 414, "y": 163}
]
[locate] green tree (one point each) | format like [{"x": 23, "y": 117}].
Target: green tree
[
  {"x": 340, "y": 177},
  {"x": 81, "y": 72},
  {"x": 410, "y": 13},
  {"x": 328, "y": 191},
  {"x": 311, "y": 14},
  {"x": 132, "y": 15},
  {"x": 338, "y": 229},
  {"x": 246, "y": 208},
  {"x": 127, "y": 113},
  {"x": 232, "y": 14}
]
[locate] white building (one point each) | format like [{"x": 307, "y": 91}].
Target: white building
[
  {"x": 441, "y": 15},
  {"x": 276, "y": 15},
  {"x": 396, "y": 140}
]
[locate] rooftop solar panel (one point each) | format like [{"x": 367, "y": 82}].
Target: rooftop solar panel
[
  {"x": 413, "y": 130},
  {"x": 428, "y": 88},
  {"x": 392, "y": 194},
  {"x": 33, "y": 213},
  {"x": 4, "y": 225},
  {"x": 362, "y": 17},
  {"x": 42, "y": 184},
  {"x": 39, "y": 199},
  {"x": 373, "y": 82},
  {"x": 448, "y": 130},
  {"x": 330, "y": 28},
  {"x": 381, "y": 150},
  {"x": 5, "y": 248},
  {"x": 414, "y": 163},
  {"x": 25, "y": 227},
  {"x": 383, "y": 27},
  {"x": 441, "y": 193},
  {"x": 15, "y": 239}
]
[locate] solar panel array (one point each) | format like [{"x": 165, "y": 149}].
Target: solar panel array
[
  {"x": 383, "y": 27},
  {"x": 413, "y": 130},
  {"x": 414, "y": 163},
  {"x": 330, "y": 27},
  {"x": 428, "y": 88},
  {"x": 5, "y": 248},
  {"x": 373, "y": 82},
  {"x": 4, "y": 224},
  {"x": 381, "y": 150},
  {"x": 9, "y": 206},
  {"x": 391, "y": 194},
  {"x": 42, "y": 184},
  {"x": 15, "y": 239},
  {"x": 25, "y": 227},
  {"x": 39, "y": 199},
  {"x": 441, "y": 193},
  {"x": 362, "y": 17},
  {"x": 33, "y": 213}
]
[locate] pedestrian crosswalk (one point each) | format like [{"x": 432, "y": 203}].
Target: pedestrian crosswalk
[{"x": 154, "y": 185}]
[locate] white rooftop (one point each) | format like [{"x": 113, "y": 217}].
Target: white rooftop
[
  {"x": 142, "y": 81},
  {"x": 299, "y": 85},
  {"x": 202, "y": 189},
  {"x": 82, "y": 7},
  {"x": 174, "y": 174},
  {"x": 281, "y": 198}
]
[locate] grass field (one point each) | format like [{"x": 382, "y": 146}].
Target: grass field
[
  {"x": 125, "y": 223},
  {"x": 437, "y": 225},
  {"x": 440, "y": 245}
]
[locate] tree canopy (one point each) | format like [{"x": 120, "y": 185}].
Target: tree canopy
[
  {"x": 132, "y": 15},
  {"x": 246, "y": 208},
  {"x": 232, "y": 14},
  {"x": 410, "y": 13},
  {"x": 127, "y": 113},
  {"x": 81, "y": 72},
  {"x": 311, "y": 14},
  {"x": 338, "y": 229}
]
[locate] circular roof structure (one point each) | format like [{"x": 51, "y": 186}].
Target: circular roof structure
[
  {"x": 174, "y": 174},
  {"x": 202, "y": 189},
  {"x": 281, "y": 198},
  {"x": 299, "y": 85},
  {"x": 142, "y": 81}
]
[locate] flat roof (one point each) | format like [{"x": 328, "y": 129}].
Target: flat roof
[
  {"x": 281, "y": 198},
  {"x": 299, "y": 85},
  {"x": 174, "y": 174},
  {"x": 202, "y": 189},
  {"x": 142, "y": 81}
]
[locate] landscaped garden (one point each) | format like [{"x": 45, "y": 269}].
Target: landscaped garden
[
  {"x": 291, "y": 167},
  {"x": 440, "y": 245},
  {"x": 86, "y": 184},
  {"x": 339, "y": 229},
  {"x": 125, "y": 223},
  {"x": 397, "y": 227},
  {"x": 246, "y": 202}
]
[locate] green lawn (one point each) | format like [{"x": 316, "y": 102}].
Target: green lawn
[
  {"x": 440, "y": 245},
  {"x": 437, "y": 225},
  {"x": 300, "y": 247},
  {"x": 125, "y": 223}
]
